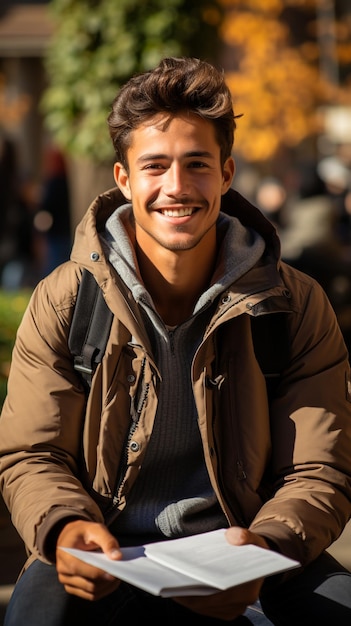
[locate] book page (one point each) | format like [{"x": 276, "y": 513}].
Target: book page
[
  {"x": 209, "y": 558},
  {"x": 144, "y": 573},
  {"x": 196, "y": 565}
]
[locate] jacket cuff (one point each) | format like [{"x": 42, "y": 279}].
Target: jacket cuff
[{"x": 282, "y": 539}]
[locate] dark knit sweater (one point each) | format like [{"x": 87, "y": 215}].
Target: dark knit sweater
[{"x": 173, "y": 495}]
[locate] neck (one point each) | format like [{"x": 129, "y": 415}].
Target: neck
[{"x": 175, "y": 280}]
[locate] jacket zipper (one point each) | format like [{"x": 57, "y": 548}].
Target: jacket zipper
[{"x": 135, "y": 416}]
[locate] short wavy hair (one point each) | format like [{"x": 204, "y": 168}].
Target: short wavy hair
[{"x": 175, "y": 86}]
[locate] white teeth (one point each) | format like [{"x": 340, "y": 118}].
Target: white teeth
[{"x": 177, "y": 212}]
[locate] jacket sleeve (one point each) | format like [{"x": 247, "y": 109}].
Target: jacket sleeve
[
  {"x": 42, "y": 418},
  {"x": 311, "y": 432}
]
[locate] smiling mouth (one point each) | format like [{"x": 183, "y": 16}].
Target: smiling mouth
[{"x": 182, "y": 212}]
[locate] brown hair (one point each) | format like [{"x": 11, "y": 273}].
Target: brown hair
[{"x": 176, "y": 85}]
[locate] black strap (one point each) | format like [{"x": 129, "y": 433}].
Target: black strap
[
  {"x": 272, "y": 346},
  {"x": 90, "y": 327}
]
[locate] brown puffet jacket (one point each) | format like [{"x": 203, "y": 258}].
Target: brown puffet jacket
[{"x": 285, "y": 473}]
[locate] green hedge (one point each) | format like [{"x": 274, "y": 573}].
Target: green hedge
[{"x": 12, "y": 306}]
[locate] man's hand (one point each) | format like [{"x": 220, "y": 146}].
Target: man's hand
[
  {"x": 78, "y": 578},
  {"x": 229, "y": 604}
]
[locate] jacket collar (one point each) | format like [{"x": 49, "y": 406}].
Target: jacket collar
[{"x": 233, "y": 203}]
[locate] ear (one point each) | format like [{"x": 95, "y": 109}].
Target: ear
[
  {"x": 228, "y": 174},
  {"x": 122, "y": 180}
]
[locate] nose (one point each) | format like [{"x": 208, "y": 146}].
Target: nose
[{"x": 176, "y": 182}]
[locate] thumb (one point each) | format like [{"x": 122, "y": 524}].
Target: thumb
[
  {"x": 98, "y": 536},
  {"x": 110, "y": 546},
  {"x": 237, "y": 536},
  {"x": 242, "y": 536}
]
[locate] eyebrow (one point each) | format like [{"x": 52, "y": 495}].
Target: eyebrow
[{"x": 195, "y": 153}]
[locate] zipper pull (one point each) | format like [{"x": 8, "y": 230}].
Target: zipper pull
[
  {"x": 241, "y": 474},
  {"x": 214, "y": 383}
]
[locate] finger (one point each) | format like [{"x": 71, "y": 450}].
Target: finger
[
  {"x": 237, "y": 536},
  {"x": 68, "y": 565},
  {"x": 88, "y": 582},
  {"x": 224, "y": 605},
  {"x": 87, "y": 589},
  {"x": 215, "y": 606},
  {"x": 109, "y": 545},
  {"x": 89, "y": 536}
]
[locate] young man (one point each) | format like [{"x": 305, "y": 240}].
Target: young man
[{"x": 178, "y": 436}]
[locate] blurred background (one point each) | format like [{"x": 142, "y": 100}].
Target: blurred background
[{"x": 288, "y": 65}]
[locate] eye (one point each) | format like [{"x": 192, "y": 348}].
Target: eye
[
  {"x": 197, "y": 164},
  {"x": 154, "y": 166}
]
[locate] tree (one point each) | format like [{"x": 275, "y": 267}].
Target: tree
[
  {"x": 99, "y": 44},
  {"x": 285, "y": 65}
]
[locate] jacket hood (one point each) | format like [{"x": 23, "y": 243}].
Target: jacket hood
[{"x": 87, "y": 243}]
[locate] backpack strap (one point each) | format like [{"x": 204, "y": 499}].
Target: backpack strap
[
  {"x": 90, "y": 327},
  {"x": 271, "y": 341}
]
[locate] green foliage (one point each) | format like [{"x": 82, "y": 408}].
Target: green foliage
[
  {"x": 12, "y": 306},
  {"x": 99, "y": 44}
]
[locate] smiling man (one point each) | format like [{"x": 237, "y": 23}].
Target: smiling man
[
  {"x": 175, "y": 179},
  {"x": 179, "y": 435}
]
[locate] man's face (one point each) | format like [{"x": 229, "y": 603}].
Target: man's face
[{"x": 175, "y": 181}]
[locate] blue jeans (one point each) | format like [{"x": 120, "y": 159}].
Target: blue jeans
[{"x": 319, "y": 595}]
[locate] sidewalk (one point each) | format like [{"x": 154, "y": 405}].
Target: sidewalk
[{"x": 12, "y": 555}]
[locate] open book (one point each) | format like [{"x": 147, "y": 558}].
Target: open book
[{"x": 197, "y": 565}]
